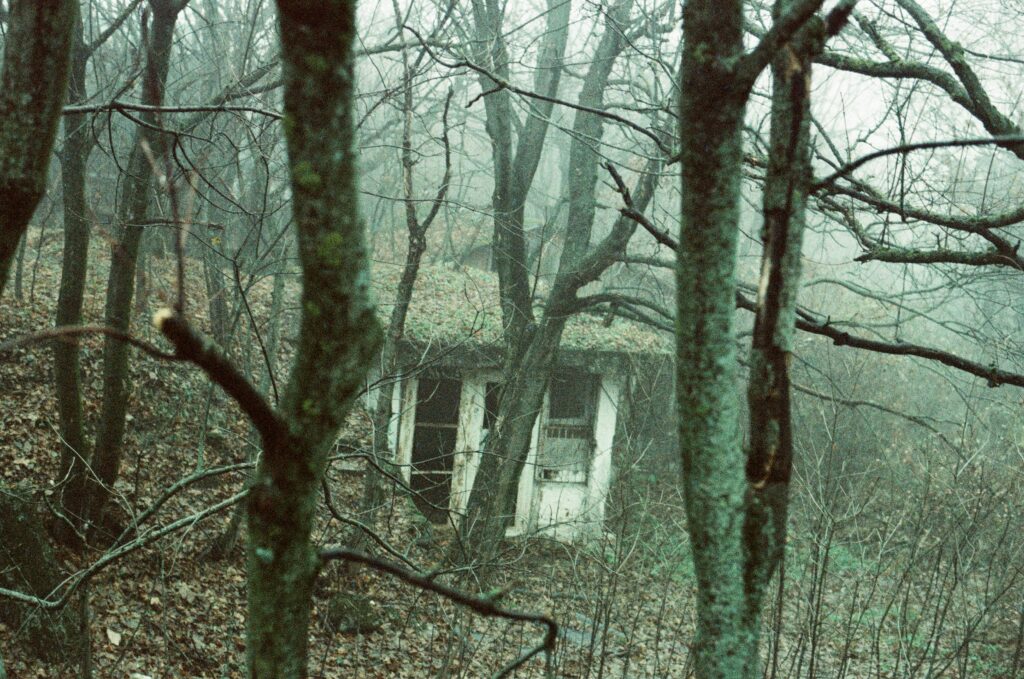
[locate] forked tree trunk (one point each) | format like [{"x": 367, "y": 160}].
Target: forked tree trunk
[
  {"x": 339, "y": 332},
  {"x": 133, "y": 206},
  {"x": 531, "y": 349},
  {"x": 736, "y": 501}
]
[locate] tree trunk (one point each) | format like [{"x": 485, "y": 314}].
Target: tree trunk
[
  {"x": 134, "y": 203},
  {"x": 712, "y": 458},
  {"x": 532, "y": 352},
  {"x": 66, "y": 370},
  {"x": 339, "y": 333},
  {"x": 787, "y": 182},
  {"x": 27, "y": 564},
  {"x": 736, "y": 501},
  {"x": 513, "y": 174},
  {"x": 32, "y": 90}
]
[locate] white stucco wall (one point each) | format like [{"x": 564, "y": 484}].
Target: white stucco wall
[{"x": 566, "y": 511}]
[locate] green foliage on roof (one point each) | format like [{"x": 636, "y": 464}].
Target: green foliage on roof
[{"x": 451, "y": 306}]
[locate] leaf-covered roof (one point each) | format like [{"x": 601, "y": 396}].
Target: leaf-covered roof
[{"x": 459, "y": 306}]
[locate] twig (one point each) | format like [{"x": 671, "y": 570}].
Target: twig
[
  {"x": 485, "y": 606},
  {"x": 78, "y": 579},
  {"x": 907, "y": 148},
  {"x": 68, "y": 332}
]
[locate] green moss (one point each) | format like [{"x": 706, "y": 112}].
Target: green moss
[
  {"x": 331, "y": 250},
  {"x": 317, "y": 63},
  {"x": 288, "y": 123},
  {"x": 312, "y": 309},
  {"x": 305, "y": 177}
]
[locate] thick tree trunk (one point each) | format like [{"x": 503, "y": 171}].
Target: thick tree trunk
[
  {"x": 787, "y": 181},
  {"x": 339, "y": 334},
  {"x": 515, "y": 165},
  {"x": 134, "y": 203},
  {"x": 531, "y": 353},
  {"x": 736, "y": 501},
  {"x": 505, "y": 453},
  {"x": 32, "y": 90},
  {"x": 712, "y": 457},
  {"x": 27, "y": 564}
]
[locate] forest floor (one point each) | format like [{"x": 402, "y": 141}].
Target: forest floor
[
  {"x": 167, "y": 610},
  {"x": 624, "y": 604}
]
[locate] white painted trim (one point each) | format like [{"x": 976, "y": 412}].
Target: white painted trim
[
  {"x": 406, "y": 429},
  {"x": 599, "y": 480},
  {"x": 467, "y": 442},
  {"x": 396, "y": 415}
]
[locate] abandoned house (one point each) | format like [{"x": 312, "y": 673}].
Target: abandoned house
[{"x": 444, "y": 407}]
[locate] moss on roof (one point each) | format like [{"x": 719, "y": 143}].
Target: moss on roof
[{"x": 451, "y": 306}]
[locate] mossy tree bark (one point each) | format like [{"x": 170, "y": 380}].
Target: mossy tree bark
[
  {"x": 338, "y": 338},
  {"x": 736, "y": 500},
  {"x": 27, "y": 565},
  {"x": 514, "y": 166},
  {"x": 32, "y": 90}
]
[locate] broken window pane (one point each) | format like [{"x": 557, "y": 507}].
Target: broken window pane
[{"x": 565, "y": 449}]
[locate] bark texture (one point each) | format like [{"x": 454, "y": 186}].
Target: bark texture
[
  {"x": 66, "y": 369},
  {"x": 133, "y": 204},
  {"x": 32, "y": 89},
  {"x": 736, "y": 500},
  {"x": 338, "y": 337},
  {"x": 531, "y": 349}
]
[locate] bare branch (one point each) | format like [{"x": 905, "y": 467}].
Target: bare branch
[
  {"x": 918, "y": 146},
  {"x": 485, "y": 606},
  {"x": 203, "y": 352},
  {"x": 70, "y": 332}
]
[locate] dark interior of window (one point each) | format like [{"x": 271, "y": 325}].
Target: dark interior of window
[
  {"x": 570, "y": 395},
  {"x": 433, "y": 445},
  {"x": 492, "y": 397}
]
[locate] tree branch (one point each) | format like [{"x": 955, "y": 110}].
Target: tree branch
[
  {"x": 918, "y": 146},
  {"x": 485, "y": 606},
  {"x": 204, "y": 353}
]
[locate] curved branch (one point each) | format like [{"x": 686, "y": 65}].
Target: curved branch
[
  {"x": 484, "y": 605},
  {"x": 69, "y": 332}
]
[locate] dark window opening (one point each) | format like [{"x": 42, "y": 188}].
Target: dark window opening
[
  {"x": 433, "y": 445},
  {"x": 570, "y": 395},
  {"x": 568, "y": 441}
]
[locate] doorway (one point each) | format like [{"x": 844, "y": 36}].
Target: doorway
[{"x": 433, "y": 445}]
